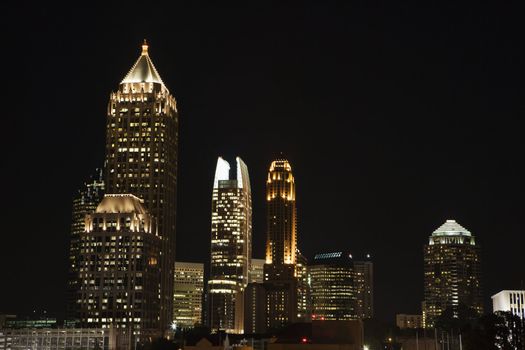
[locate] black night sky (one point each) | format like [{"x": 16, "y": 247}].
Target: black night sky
[{"x": 395, "y": 117}]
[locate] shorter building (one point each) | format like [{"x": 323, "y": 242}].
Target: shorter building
[
  {"x": 120, "y": 256},
  {"x": 511, "y": 301},
  {"x": 256, "y": 273},
  {"x": 187, "y": 294},
  {"x": 64, "y": 339},
  {"x": 12, "y": 321},
  {"x": 341, "y": 287},
  {"x": 404, "y": 321},
  {"x": 254, "y": 309}
]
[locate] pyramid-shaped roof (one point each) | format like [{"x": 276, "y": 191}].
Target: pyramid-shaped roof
[
  {"x": 143, "y": 71},
  {"x": 451, "y": 228}
]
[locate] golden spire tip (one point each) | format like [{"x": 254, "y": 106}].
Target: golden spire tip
[{"x": 145, "y": 47}]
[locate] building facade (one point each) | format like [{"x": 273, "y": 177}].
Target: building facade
[
  {"x": 64, "y": 339},
  {"x": 333, "y": 292},
  {"x": 364, "y": 284},
  {"x": 141, "y": 157},
  {"x": 256, "y": 271},
  {"x": 404, "y": 321},
  {"x": 452, "y": 268},
  {"x": 85, "y": 202},
  {"x": 510, "y": 301},
  {"x": 188, "y": 294},
  {"x": 231, "y": 251},
  {"x": 120, "y": 271},
  {"x": 280, "y": 280}
]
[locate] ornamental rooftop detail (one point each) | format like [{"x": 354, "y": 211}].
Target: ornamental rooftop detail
[{"x": 451, "y": 228}]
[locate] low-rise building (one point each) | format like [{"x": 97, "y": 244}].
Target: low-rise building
[
  {"x": 404, "y": 321},
  {"x": 511, "y": 301}
]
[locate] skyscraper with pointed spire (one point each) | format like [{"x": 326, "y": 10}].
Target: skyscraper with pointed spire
[
  {"x": 141, "y": 157},
  {"x": 231, "y": 247},
  {"x": 280, "y": 275}
]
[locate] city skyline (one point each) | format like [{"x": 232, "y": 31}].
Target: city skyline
[{"x": 382, "y": 165}]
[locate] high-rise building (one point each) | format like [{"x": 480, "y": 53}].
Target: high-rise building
[
  {"x": 364, "y": 284},
  {"x": 120, "y": 270},
  {"x": 141, "y": 157},
  {"x": 452, "y": 272},
  {"x": 257, "y": 271},
  {"x": 512, "y": 301},
  {"x": 280, "y": 281},
  {"x": 85, "y": 202},
  {"x": 254, "y": 308},
  {"x": 231, "y": 251},
  {"x": 333, "y": 287},
  {"x": 188, "y": 294}
]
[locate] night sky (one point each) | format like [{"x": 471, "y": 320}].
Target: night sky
[{"x": 394, "y": 118}]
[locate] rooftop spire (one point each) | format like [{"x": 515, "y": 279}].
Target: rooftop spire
[{"x": 145, "y": 47}]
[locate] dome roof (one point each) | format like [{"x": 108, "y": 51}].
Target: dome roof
[
  {"x": 451, "y": 228},
  {"x": 121, "y": 203}
]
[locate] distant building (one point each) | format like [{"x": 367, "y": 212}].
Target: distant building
[
  {"x": 254, "y": 309},
  {"x": 280, "y": 281},
  {"x": 404, "y": 321},
  {"x": 14, "y": 322},
  {"x": 511, "y": 301},
  {"x": 120, "y": 268},
  {"x": 341, "y": 287},
  {"x": 188, "y": 294},
  {"x": 452, "y": 267},
  {"x": 257, "y": 271},
  {"x": 364, "y": 284},
  {"x": 231, "y": 247},
  {"x": 65, "y": 339},
  {"x": 333, "y": 289},
  {"x": 304, "y": 304},
  {"x": 85, "y": 202}
]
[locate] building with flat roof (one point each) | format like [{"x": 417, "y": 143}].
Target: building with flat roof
[
  {"x": 404, "y": 321},
  {"x": 188, "y": 294},
  {"x": 510, "y": 301}
]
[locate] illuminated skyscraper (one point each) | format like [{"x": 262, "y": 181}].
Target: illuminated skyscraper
[
  {"x": 452, "y": 272},
  {"x": 280, "y": 281},
  {"x": 141, "y": 156},
  {"x": 120, "y": 271},
  {"x": 334, "y": 294},
  {"x": 188, "y": 294},
  {"x": 85, "y": 202},
  {"x": 256, "y": 271},
  {"x": 231, "y": 247}
]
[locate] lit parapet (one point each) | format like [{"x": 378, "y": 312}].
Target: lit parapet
[
  {"x": 280, "y": 164},
  {"x": 222, "y": 172},
  {"x": 451, "y": 228}
]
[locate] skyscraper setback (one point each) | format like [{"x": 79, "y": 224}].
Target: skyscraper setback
[
  {"x": 231, "y": 250},
  {"x": 141, "y": 157},
  {"x": 280, "y": 281},
  {"x": 452, "y": 268}
]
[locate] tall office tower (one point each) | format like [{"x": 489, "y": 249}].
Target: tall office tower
[
  {"x": 85, "y": 202},
  {"x": 257, "y": 271},
  {"x": 187, "y": 294},
  {"x": 120, "y": 270},
  {"x": 280, "y": 281},
  {"x": 141, "y": 156},
  {"x": 231, "y": 247},
  {"x": 304, "y": 305},
  {"x": 452, "y": 272},
  {"x": 333, "y": 287},
  {"x": 364, "y": 284},
  {"x": 254, "y": 308}
]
